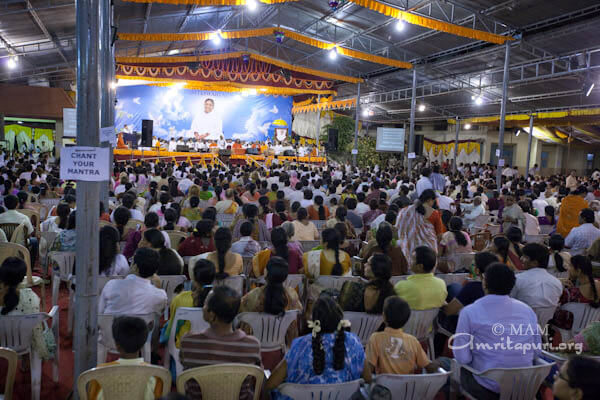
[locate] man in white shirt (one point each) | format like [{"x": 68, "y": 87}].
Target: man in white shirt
[
  {"x": 12, "y": 216},
  {"x": 540, "y": 205},
  {"x": 208, "y": 124},
  {"x": 585, "y": 234},
  {"x": 476, "y": 210},
  {"x": 361, "y": 207},
  {"x": 535, "y": 286},
  {"x": 135, "y": 294},
  {"x": 424, "y": 183},
  {"x": 508, "y": 172}
]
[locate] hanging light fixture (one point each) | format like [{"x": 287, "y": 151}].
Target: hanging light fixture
[
  {"x": 422, "y": 107},
  {"x": 467, "y": 126},
  {"x": 251, "y": 4},
  {"x": 478, "y": 100},
  {"x": 12, "y": 62},
  {"x": 333, "y": 53},
  {"x": 217, "y": 38},
  {"x": 400, "y": 25}
]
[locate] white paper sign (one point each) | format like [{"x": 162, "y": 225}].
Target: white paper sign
[
  {"x": 69, "y": 122},
  {"x": 412, "y": 155},
  {"x": 501, "y": 162},
  {"x": 108, "y": 135},
  {"x": 84, "y": 163},
  {"x": 354, "y": 151},
  {"x": 497, "y": 152}
]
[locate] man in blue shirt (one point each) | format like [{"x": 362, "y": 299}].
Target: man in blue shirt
[{"x": 495, "y": 331}]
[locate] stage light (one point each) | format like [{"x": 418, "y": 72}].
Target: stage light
[
  {"x": 589, "y": 91},
  {"x": 173, "y": 52},
  {"x": 333, "y": 53},
  {"x": 12, "y": 62},
  {"x": 216, "y": 39},
  {"x": 400, "y": 25},
  {"x": 479, "y": 100},
  {"x": 251, "y": 4},
  {"x": 422, "y": 107},
  {"x": 467, "y": 126}
]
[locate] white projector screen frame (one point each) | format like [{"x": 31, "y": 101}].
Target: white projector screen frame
[{"x": 390, "y": 139}]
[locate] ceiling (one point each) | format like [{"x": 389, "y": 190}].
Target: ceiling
[{"x": 553, "y": 62}]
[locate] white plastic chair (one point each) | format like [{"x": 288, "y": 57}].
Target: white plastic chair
[
  {"x": 197, "y": 324},
  {"x": 544, "y": 314},
  {"x": 319, "y": 224},
  {"x": 169, "y": 283},
  {"x": 308, "y": 245},
  {"x": 334, "y": 282},
  {"x": 49, "y": 238},
  {"x": 236, "y": 282},
  {"x": 337, "y": 391},
  {"x": 583, "y": 314},
  {"x": 541, "y": 239},
  {"x": 123, "y": 381},
  {"x": 420, "y": 325},
  {"x": 222, "y": 381},
  {"x": 106, "y": 342},
  {"x": 225, "y": 219},
  {"x": 414, "y": 387},
  {"x": 103, "y": 280},
  {"x": 16, "y": 333},
  {"x": 453, "y": 278},
  {"x": 547, "y": 229},
  {"x": 12, "y": 359},
  {"x": 269, "y": 329},
  {"x": 176, "y": 237},
  {"x": 363, "y": 324},
  {"x": 515, "y": 383},
  {"x": 459, "y": 261},
  {"x": 64, "y": 265}
]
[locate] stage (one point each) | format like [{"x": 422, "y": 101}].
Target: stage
[{"x": 122, "y": 155}]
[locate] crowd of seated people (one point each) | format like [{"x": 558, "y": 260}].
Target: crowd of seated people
[{"x": 399, "y": 242}]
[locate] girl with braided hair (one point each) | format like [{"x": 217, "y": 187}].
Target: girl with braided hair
[
  {"x": 328, "y": 355},
  {"x": 329, "y": 260}
]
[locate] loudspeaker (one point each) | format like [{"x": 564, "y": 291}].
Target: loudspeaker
[
  {"x": 419, "y": 145},
  {"x": 147, "y": 125},
  {"x": 1, "y": 127},
  {"x": 332, "y": 134}
]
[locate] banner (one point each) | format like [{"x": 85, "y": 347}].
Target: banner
[
  {"x": 43, "y": 140},
  {"x": 19, "y": 136},
  {"x": 188, "y": 114},
  {"x": 468, "y": 150}
]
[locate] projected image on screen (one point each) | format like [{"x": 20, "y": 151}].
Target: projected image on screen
[{"x": 390, "y": 139}]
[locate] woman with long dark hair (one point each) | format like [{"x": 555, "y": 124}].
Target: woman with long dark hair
[
  {"x": 169, "y": 262},
  {"x": 559, "y": 261},
  {"x": 58, "y": 223},
  {"x": 329, "y": 354},
  {"x": 415, "y": 226},
  {"x": 304, "y": 229},
  {"x": 111, "y": 262},
  {"x": 281, "y": 248},
  {"x": 385, "y": 243},
  {"x": 226, "y": 262},
  {"x": 455, "y": 240},
  {"x": 318, "y": 211},
  {"x": 328, "y": 261},
  {"x": 250, "y": 213},
  {"x": 278, "y": 217},
  {"x": 200, "y": 241}
]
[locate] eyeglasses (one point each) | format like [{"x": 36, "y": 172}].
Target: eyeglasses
[{"x": 561, "y": 376}]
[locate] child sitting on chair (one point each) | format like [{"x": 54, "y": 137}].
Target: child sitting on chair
[
  {"x": 130, "y": 334},
  {"x": 393, "y": 351}
]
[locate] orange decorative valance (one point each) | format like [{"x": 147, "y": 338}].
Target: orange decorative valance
[
  {"x": 248, "y": 33},
  {"x": 237, "y": 54},
  {"x": 208, "y": 2},
  {"x": 330, "y": 105}
]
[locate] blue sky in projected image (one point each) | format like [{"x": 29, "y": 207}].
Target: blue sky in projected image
[{"x": 248, "y": 118}]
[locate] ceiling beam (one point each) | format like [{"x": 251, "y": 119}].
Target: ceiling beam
[{"x": 145, "y": 27}]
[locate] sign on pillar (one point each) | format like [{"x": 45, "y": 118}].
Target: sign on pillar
[{"x": 84, "y": 163}]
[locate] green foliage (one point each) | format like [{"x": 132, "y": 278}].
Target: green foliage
[
  {"x": 345, "y": 128},
  {"x": 367, "y": 155}
]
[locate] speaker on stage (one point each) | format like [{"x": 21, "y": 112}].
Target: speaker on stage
[
  {"x": 147, "y": 125},
  {"x": 419, "y": 145},
  {"x": 332, "y": 134},
  {"x": 2, "y": 127}
]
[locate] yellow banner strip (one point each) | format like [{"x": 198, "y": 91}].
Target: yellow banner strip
[
  {"x": 332, "y": 105},
  {"x": 248, "y": 33},
  {"x": 431, "y": 23},
  {"x": 586, "y": 112},
  {"x": 208, "y": 2}
]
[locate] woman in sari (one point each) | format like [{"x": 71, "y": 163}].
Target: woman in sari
[
  {"x": 227, "y": 206},
  {"x": 279, "y": 239},
  {"x": 251, "y": 195},
  {"x": 260, "y": 232},
  {"x": 328, "y": 261},
  {"x": 501, "y": 247},
  {"x": 570, "y": 207},
  {"x": 414, "y": 228},
  {"x": 193, "y": 191}
]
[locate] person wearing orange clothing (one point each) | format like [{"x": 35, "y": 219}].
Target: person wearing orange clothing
[
  {"x": 237, "y": 147},
  {"x": 570, "y": 207}
]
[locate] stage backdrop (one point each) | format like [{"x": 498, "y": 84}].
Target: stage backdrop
[{"x": 178, "y": 113}]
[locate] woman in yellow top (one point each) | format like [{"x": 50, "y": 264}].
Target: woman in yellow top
[
  {"x": 328, "y": 261},
  {"x": 570, "y": 208},
  {"x": 227, "y": 263}
]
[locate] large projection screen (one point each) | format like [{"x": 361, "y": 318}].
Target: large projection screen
[{"x": 390, "y": 139}]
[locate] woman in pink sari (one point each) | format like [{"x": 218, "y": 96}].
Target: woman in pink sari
[{"x": 414, "y": 229}]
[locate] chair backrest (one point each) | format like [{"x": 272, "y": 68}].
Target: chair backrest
[
  {"x": 123, "y": 381},
  {"x": 334, "y": 282},
  {"x": 133, "y": 224},
  {"x": 308, "y": 245},
  {"x": 544, "y": 314},
  {"x": 105, "y": 322},
  {"x": 536, "y": 239},
  {"x": 222, "y": 381},
  {"x": 236, "y": 282},
  {"x": 225, "y": 219},
  {"x": 269, "y": 329},
  {"x": 65, "y": 263},
  {"x": 459, "y": 261},
  {"x": 247, "y": 265},
  {"x": 195, "y": 317},
  {"x": 103, "y": 280},
  {"x": 176, "y": 237},
  {"x": 9, "y": 230},
  {"x": 11, "y": 357},
  {"x": 169, "y": 283},
  {"x": 547, "y": 229},
  {"x": 264, "y": 244},
  {"x": 420, "y": 322},
  {"x": 583, "y": 314},
  {"x": 16, "y": 250},
  {"x": 34, "y": 217},
  {"x": 363, "y": 324},
  {"x": 519, "y": 383},
  {"x": 414, "y": 387},
  {"x": 102, "y": 223},
  {"x": 319, "y": 224},
  {"x": 453, "y": 278},
  {"x": 395, "y": 279},
  {"x": 336, "y": 391},
  {"x": 50, "y": 202},
  {"x": 16, "y": 331},
  {"x": 493, "y": 229},
  {"x": 481, "y": 220}
]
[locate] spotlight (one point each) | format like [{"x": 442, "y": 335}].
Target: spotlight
[
  {"x": 400, "y": 25},
  {"x": 478, "y": 100},
  {"x": 422, "y": 107},
  {"x": 333, "y": 53},
  {"x": 12, "y": 62},
  {"x": 173, "y": 52},
  {"x": 467, "y": 126},
  {"x": 251, "y": 4},
  {"x": 517, "y": 133},
  {"x": 589, "y": 91},
  {"x": 216, "y": 39}
]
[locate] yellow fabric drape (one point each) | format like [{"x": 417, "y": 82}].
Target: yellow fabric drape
[
  {"x": 303, "y": 103},
  {"x": 431, "y": 23},
  {"x": 235, "y": 54},
  {"x": 208, "y": 2},
  {"x": 229, "y": 86},
  {"x": 248, "y": 33},
  {"x": 332, "y": 105},
  {"x": 447, "y": 148},
  {"x": 586, "y": 112}
]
